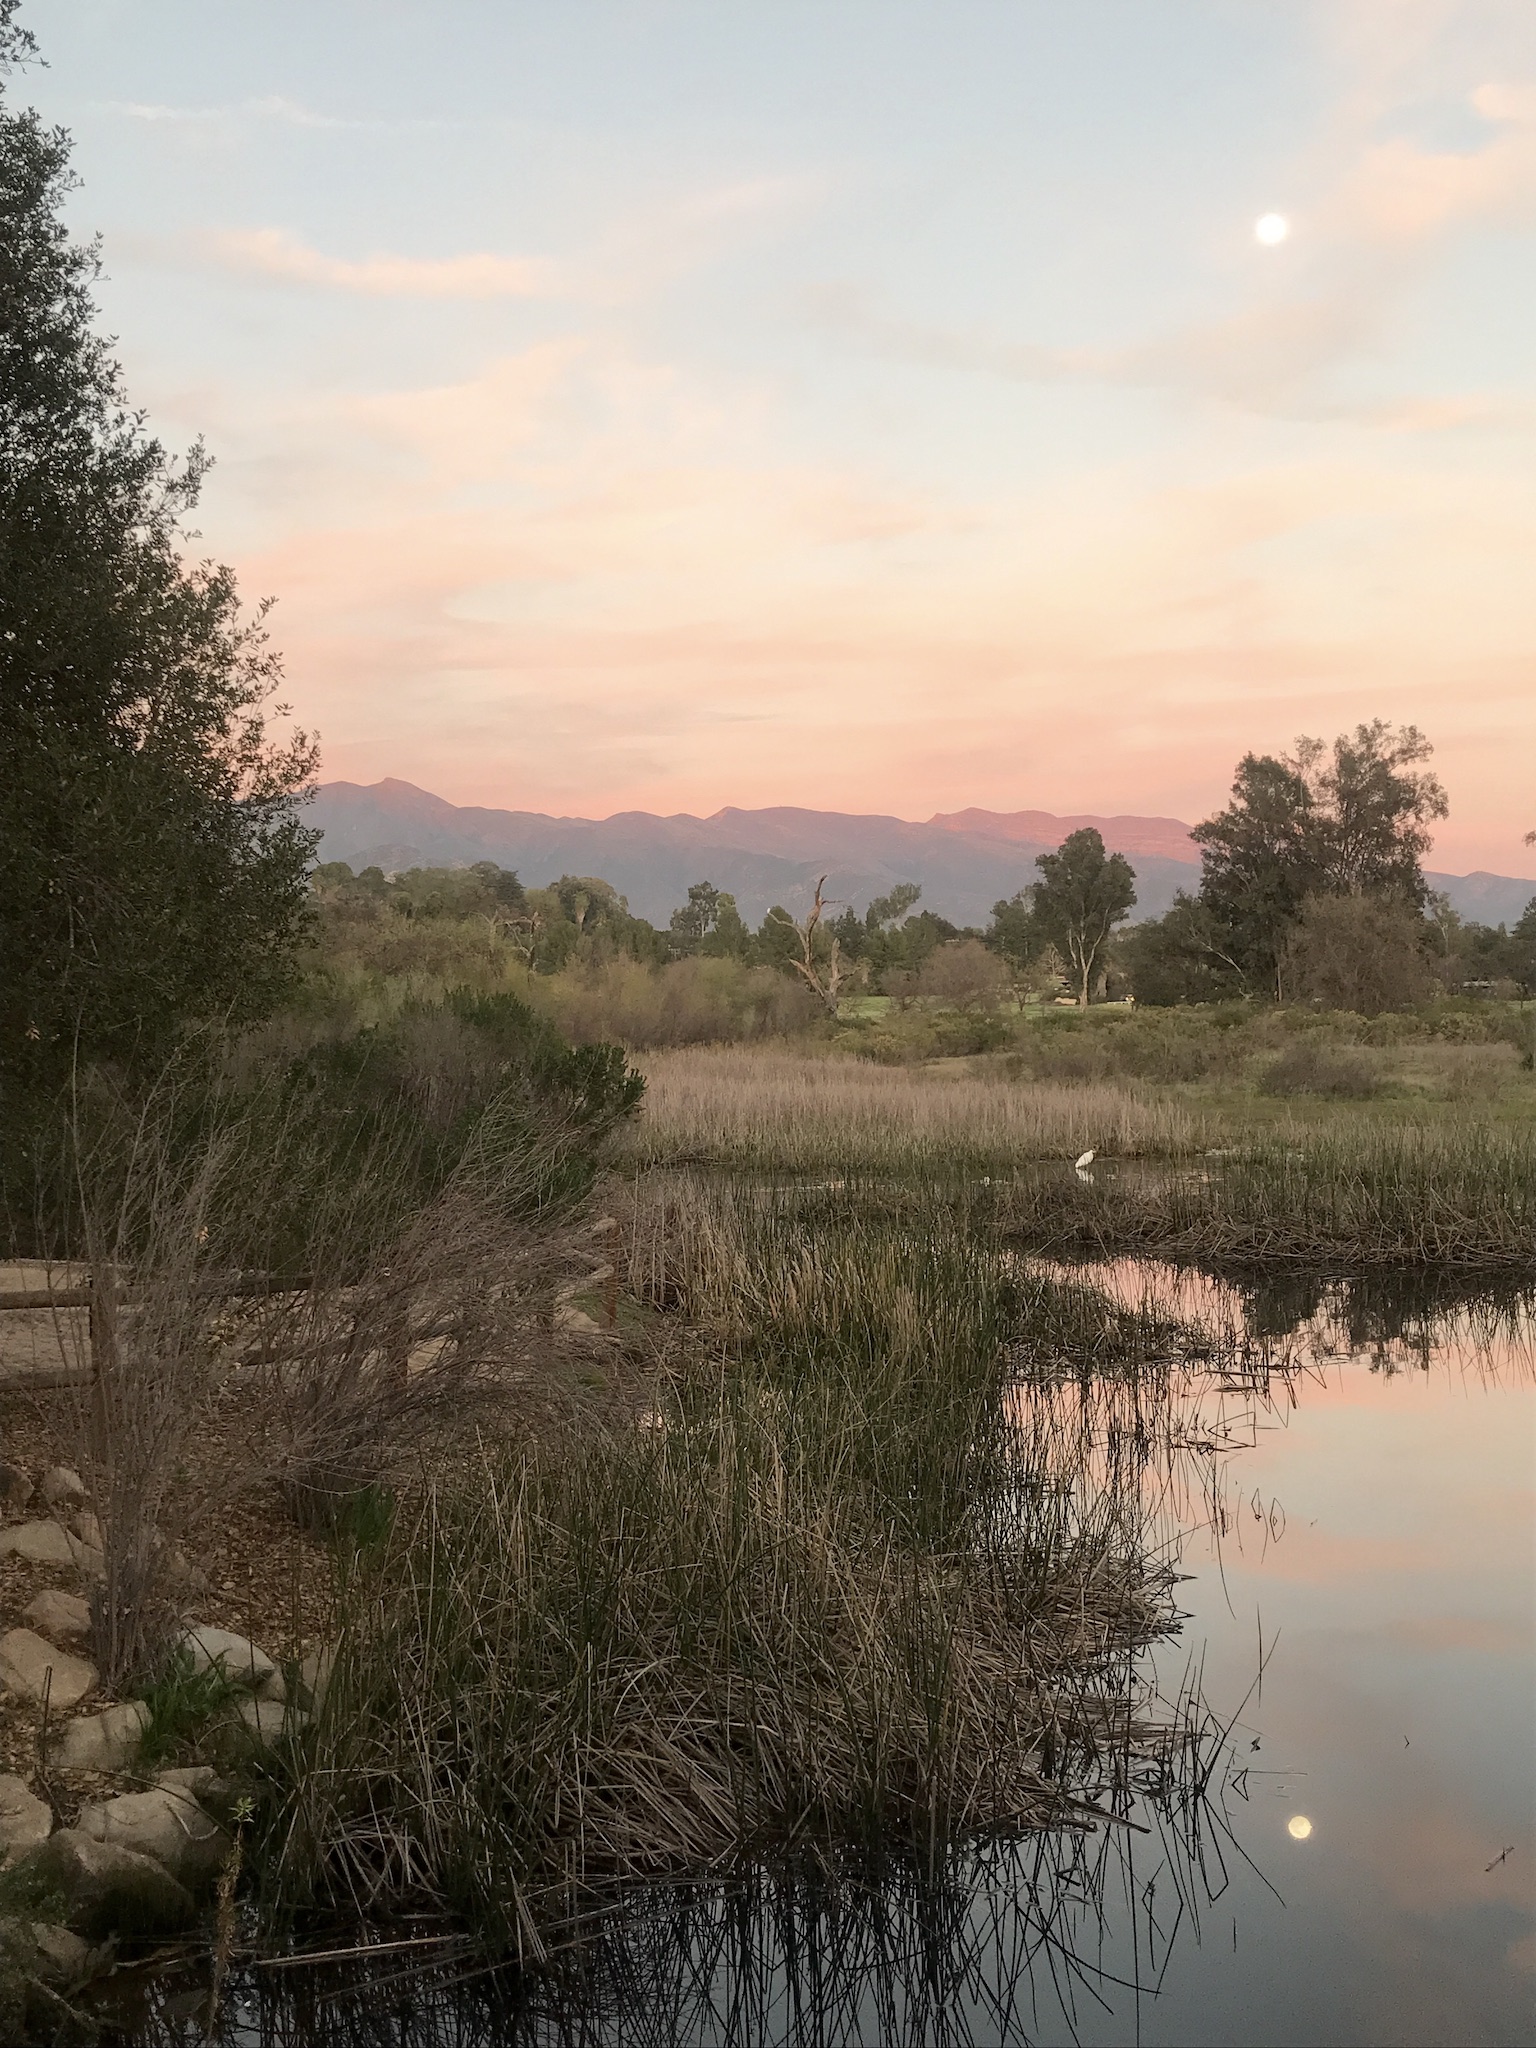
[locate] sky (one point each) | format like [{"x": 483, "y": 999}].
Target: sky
[{"x": 865, "y": 405}]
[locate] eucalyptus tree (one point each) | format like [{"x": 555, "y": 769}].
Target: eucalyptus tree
[{"x": 1082, "y": 894}]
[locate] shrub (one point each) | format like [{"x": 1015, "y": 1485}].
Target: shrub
[
  {"x": 963, "y": 975},
  {"x": 1310, "y": 1067},
  {"x": 696, "y": 1001}
]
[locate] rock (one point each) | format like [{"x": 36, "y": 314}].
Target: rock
[
  {"x": 102, "y": 1742},
  {"x": 59, "y": 1615},
  {"x": 273, "y": 1688},
  {"x": 25, "y": 1820},
  {"x": 239, "y": 1660},
  {"x": 15, "y": 1486},
  {"x": 192, "y": 1576},
  {"x": 88, "y": 1529},
  {"x": 576, "y": 1322},
  {"x": 30, "y": 1665},
  {"x": 105, "y": 1889},
  {"x": 315, "y": 1677},
  {"x": 63, "y": 1958},
  {"x": 61, "y": 1485},
  {"x": 167, "y": 1824},
  {"x": 88, "y": 1558},
  {"x": 269, "y": 1720},
  {"x": 193, "y": 1778},
  {"x": 38, "y": 1543}
]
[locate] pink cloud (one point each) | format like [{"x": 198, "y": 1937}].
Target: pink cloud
[
  {"x": 1400, "y": 193},
  {"x": 583, "y": 580},
  {"x": 274, "y": 253}
]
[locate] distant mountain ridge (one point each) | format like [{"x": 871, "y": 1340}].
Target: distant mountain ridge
[
  {"x": 1167, "y": 838},
  {"x": 965, "y": 860}
]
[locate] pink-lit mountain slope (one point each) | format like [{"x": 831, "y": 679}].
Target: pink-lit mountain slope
[{"x": 1168, "y": 838}]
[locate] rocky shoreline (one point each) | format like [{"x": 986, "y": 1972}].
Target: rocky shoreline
[{"x": 138, "y": 1865}]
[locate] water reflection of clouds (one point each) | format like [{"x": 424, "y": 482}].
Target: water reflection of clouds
[{"x": 1346, "y": 1466}]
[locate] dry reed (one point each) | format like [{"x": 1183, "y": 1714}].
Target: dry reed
[
  {"x": 780, "y": 1111},
  {"x": 816, "y": 1597}
]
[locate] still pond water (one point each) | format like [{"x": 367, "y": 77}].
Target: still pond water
[{"x": 1359, "y": 1536}]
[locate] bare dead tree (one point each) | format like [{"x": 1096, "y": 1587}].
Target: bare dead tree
[{"x": 820, "y": 969}]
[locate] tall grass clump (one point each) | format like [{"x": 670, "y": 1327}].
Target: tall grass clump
[
  {"x": 302, "y": 1273},
  {"x": 815, "y": 1595},
  {"x": 785, "y": 1112},
  {"x": 680, "y": 1648}
]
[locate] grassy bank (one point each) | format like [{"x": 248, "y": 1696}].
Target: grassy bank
[{"x": 1453, "y": 1199}]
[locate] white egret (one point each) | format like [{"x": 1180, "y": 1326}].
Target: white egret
[{"x": 1086, "y": 1160}]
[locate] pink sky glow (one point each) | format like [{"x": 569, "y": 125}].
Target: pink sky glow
[{"x": 873, "y": 409}]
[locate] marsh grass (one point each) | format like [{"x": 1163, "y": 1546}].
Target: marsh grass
[
  {"x": 1368, "y": 1190},
  {"x": 1446, "y": 1197},
  {"x": 817, "y": 1595},
  {"x": 675, "y": 1652},
  {"x": 787, "y": 1112}
]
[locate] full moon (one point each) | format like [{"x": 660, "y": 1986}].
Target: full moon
[
  {"x": 1298, "y": 1827},
  {"x": 1271, "y": 229}
]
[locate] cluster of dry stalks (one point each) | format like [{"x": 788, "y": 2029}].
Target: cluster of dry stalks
[
  {"x": 202, "y": 1375},
  {"x": 790, "y": 1112},
  {"x": 816, "y": 1594}
]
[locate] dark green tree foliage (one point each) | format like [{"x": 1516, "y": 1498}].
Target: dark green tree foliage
[
  {"x": 1082, "y": 894},
  {"x": 1345, "y": 821},
  {"x": 695, "y": 920},
  {"x": 501, "y": 884},
  {"x": 709, "y": 923},
  {"x": 1261, "y": 859},
  {"x": 1522, "y": 955},
  {"x": 1178, "y": 958},
  {"x": 152, "y": 867},
  {"x": 775, "y": 943},
  {"x": 1477, "y": 958},
  {"x": 1015, "y": 934},
  {"x": 886, "y": 911},
  {"x": 1373, "y": 803}
]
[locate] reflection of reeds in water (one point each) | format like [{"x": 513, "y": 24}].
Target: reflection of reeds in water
[
  {"x": 1163, "y": 1434},
  {"x": 1013, "y": 1941}
]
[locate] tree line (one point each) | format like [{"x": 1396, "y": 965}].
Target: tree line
[{"x": 1311, "y": 890}]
